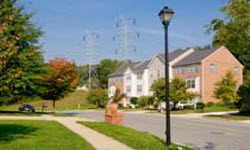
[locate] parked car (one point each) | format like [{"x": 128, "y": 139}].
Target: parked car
[
  {"x": 162, "y": 106},
  {"x": 181, "y": 105},
  {"x": 27, "y": 107}
]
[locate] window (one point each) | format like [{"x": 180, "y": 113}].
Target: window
[
  {"x": 212, "y": 68},
  {"x": 139, "y": 75},
  {"x": 191, "y": 83},
  {"x": 236, "y": 70},
  {"x": 139, "y": 88},
  {"x": 158, "y": 73},
  {"x": 128, "y": 88},
  {"x": 180, "y": 70},
  {"x": 128, "y": 76},
  {"x": 194, "y": 69}
]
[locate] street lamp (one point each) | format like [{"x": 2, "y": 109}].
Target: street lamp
[{"x": 166, "y": 15}]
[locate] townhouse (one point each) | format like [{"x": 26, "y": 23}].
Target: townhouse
[{"x": 201, "y": 69}]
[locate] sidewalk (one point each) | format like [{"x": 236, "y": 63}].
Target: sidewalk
[{"x": 99, "y": 141}]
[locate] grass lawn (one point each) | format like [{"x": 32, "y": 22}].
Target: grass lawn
[
  {"x": 76, "y": 100},
  {"x": 39, "y": 135},
  {"x": 205, "y": 110},
  {"x": 130, "y": 137},
  {"x": 20, "y": 114},
  {"x": 234, "y": 116}
]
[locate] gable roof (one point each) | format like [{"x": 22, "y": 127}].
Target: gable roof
[
  {"x": 195, "y": 57},
  {"x": 172, "y": 55},
  {"x": 142, "y": 65}
]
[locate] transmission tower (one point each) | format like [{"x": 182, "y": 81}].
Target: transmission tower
[
  {"x": 90, "y": 42},
  {"x": 124, "y": 36}
]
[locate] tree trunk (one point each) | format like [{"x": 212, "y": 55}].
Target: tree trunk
[{"x": 54, "y": 105}]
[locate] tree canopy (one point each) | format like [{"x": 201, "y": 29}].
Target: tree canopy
[
  {"x": 232, "y": 31},
  {"x": 21, "y": 62}
]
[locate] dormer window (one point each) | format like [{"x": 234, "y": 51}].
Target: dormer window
[{"x": 212, "y": 68}]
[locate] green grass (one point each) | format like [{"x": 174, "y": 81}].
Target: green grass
[
  {"x": 74, "y": 101},
  {"x": 130, "y": 137},
  {"x": 63, "y": 115},
  {"x": 21, "y": 114},
  {"x": 234, "y": 116},
  {"x": 39, "y": 135}
]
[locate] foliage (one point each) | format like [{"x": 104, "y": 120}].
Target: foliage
[
  {"x": 209, "y": 104},
  {"x": 177, "y": 92},
  {"x": 98, "y": 97},
  {"x": 134, "y": 100},
  {"x": 118, "y": 96},
  {"x": 135, "y": 139},
  {"x": 62, "y": 79},
  {"x": 244, "y": 94},
  {"x": 200, "y": 105},
  {"x": 226, "y": 89},
  {"x": 104, "y": 68},
  {"x": 83, "y": 71},
  {"x": 145, "y": 101},
  {"x": 232, "y": 31},
  {"x": 21, "y": 62}
]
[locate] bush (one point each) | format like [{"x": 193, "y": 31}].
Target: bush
[
  {"x": 200, "y": 105},
  {"x": 210, "y": 104},
  {"x": 98, "y": 97},
  {"x": 189, "y": 107},
  {"x": 134, "y": 100},
  {"x": 244, "y": 101},
  {"x": 144, "y": 101}
]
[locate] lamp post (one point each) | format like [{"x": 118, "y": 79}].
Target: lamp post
[{"x": 166, "y": 15}]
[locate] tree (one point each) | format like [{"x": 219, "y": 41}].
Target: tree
[
  {"x": 83, "y": 71},
  {"x": 226, "y": 89},
  {"x": 232, "y": 31},
  {"x": 62, "y": 79},
  {"x": 98, "y": 97},
  {"x": 104, "y": 68},
  {"x": 145, "y": 101},
  {"x": 244, "y": 94},
  {"x": 21, "y": 62},
  {"x": 118, "y": 96},
  {"x": 177, "y": 91}
]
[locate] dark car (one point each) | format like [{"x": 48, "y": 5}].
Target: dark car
[{"x": 27, "y": 107}]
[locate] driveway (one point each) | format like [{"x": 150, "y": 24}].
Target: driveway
[{"x": 201, "y": 134}]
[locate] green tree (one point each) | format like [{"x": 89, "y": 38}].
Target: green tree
[
  {"x": 144, "y": 101},
  {"x": 104, "y": 68},
  {"x": 21, "y": 62},
  {"x": 244, "y": 94},
  {"x": 62, "y": 79},
  {"x": 177, "y": 91},
  {"x": 226, "y": 89},
  {"x": 232, "y": 31},
  {"x": 98, "y": 97}
]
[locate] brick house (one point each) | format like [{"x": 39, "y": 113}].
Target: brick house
[{"x": 202, "y": 69}]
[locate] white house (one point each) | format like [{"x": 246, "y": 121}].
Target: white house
[{"x": 136, "y": 79}]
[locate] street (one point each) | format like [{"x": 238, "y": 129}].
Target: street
[{"x": 200, "y": 134}]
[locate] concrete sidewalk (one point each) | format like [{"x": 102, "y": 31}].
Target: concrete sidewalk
[{"x": 99, "y": 141}]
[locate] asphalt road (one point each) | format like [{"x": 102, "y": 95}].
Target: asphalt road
[{"x": 201, "y": 134}]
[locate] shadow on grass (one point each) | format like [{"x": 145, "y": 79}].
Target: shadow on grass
[{"x": 11, "y": 132}]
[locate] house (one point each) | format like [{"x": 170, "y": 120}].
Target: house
[
  {"x": 201, "y": 69},
  {"x": 136, "y": 79}
]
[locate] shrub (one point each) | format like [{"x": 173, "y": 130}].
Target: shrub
[
  {"x": 134, "y": 100},
  {"x": 243, "y": 92},
  {"x": 209, "y": 104},
  {"x": 98, "y": 97},
  {"x": 189, "y": 107},
  {"x": 200, "y": 105},
  {"x": 145, "y": 101}
]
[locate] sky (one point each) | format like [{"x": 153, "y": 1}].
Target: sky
[{"x": 65, "y": 22}]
